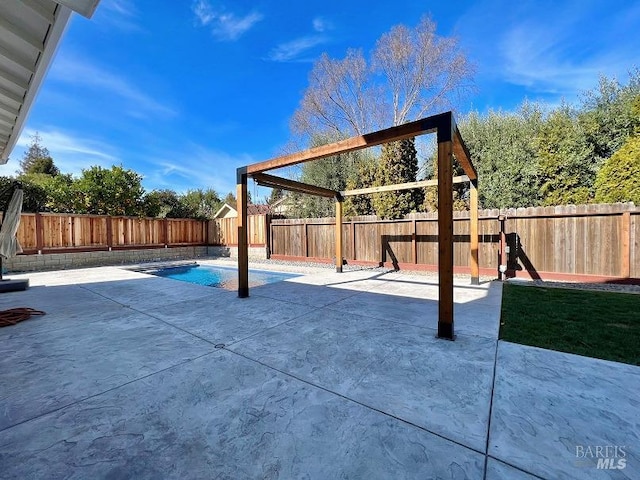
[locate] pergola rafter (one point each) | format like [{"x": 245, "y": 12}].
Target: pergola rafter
[
  {"x": 293, "y": 186},
  {"x": 450, "y": 143},
  {"x": 399, "y": 186}
]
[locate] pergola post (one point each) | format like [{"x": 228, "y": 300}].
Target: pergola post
[
  {"x": 445, "y": 231},
  {"x": 339, "y": 254},
  {"x": 473, "y": 233},
  {"x": 243, "y": 248}
]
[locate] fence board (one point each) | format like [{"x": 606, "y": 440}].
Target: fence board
[{"x": 634, "y": 245}]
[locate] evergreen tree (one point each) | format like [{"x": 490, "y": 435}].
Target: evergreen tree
[
  {"x": 398, "y": 164},
  {"x": 362, "y": 176},
  {"x": 36, "y": 159},
  {"x": 619, "y": 178},
  {"x": 567, "y": 164}
]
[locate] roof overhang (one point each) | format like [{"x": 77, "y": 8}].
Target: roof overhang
[{"x": 30, "y": 33}]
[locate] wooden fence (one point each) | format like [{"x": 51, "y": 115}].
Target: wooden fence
[
  {"x": 56, "y": 233},
  {"x": 566, "y": 242},
  {"x": 570, "y": 242},
  {"x": 224, "y": 231}
]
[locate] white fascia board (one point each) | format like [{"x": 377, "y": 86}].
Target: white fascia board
[{"x": 86, "y": 8}]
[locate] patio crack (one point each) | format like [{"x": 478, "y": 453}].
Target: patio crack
[{"x": 493, "y": 387}]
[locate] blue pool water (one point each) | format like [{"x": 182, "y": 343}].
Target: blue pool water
[{"x": 221, "y": 277}]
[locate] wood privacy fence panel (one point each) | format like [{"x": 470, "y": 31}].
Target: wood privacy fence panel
[
  {"x": 57, "y": 232},
  {"x": 290, "y": 240},
  {"x": 224, "y": 231},
  {"x": 321, "y": 240},
  {"x": 183, "y": 231},
  {"x": 137, "y": 231},
  {"x": 68, "y": 231},
  {"x": 602, "y": 240},
  {"x": 26, "y": 231},
  {"x": 584, "y": 240}
]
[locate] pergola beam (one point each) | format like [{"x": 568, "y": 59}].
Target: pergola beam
[
  {"x": 400, "y": 132},
  {"x": 272, "y": 181},
  {"x": 400, "y": 186},
  {"x": 462, "y": 154}
]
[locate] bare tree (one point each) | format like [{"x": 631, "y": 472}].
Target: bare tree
[
  {"x": 411, "y": 73},
  {"x": 422, "y": 71},
  {"x": 339, "y": 97}
]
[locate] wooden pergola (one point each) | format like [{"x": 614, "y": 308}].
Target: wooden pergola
[{"x": 449, "y": 143}]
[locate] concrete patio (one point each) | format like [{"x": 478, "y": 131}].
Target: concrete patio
[{"x": 323, "y": 376}]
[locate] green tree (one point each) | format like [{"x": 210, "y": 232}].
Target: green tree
[
  {"x": 61, "y": 194},
  {"x": 44, "y": 166},
  {"x": 201, "y": 204},
  {"x": 37, "y": 159},
  {"x": 34, "y": 195},
  {"x": 398, "y": 164},
  {"x": 230, "y": 199},
  {"x": 275, "y": 195},
  {"x": 363, "y": 175},
  {"x": 606, "y": 115},
  {"x": 504, "y": 150},
  {"x": 114, "y": 191},
  {"x": 163, "y": 204},
  {"x": 566, "y": 161},
  {"x": 619, "y": 178},
  {"x": 460, "y": 190}
]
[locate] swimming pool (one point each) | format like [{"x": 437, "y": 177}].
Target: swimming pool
[{"x": 221, "y": 277}]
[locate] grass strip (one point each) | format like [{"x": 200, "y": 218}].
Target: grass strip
[{"x": 602, "y": 325}]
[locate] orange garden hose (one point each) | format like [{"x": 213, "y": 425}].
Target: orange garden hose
[{"x": 15, "y": 315}]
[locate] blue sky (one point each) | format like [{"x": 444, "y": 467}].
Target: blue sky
[{"x": 186, "y": 91}]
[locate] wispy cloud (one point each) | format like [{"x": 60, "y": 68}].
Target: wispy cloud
[
  {"x": 79, "y": 72},
  {"x": 539, "y": 58},
  {"x": 549, "y": 49},
  {"x": 292, "y": 50},
  {"x": 70, "y": 151},
  {"x": 121, "y": 14},
  {"x": 199, "y": 167},
  {"x": 321, "y": 24},
  {"x": 224, "y": 25}
]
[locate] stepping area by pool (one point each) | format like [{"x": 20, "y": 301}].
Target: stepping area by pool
[{"x": 321, "y": 376}]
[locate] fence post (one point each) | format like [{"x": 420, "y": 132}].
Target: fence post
[
  {"x": 414, "y": 242},
  {"x": 39, "y": 233},
  {"x": 267, "y": 232},
  {"x": 165, "y": 232},
  {"x": 305, "y": 240},
  {"x": 352, "y": 232},
  {"x": 625, "y": 234},
  {"x": 270, "y": 226},
  {"x": 109, "y": 233}
]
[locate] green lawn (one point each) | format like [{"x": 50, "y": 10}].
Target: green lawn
[{"x": 596, "y": 324}]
